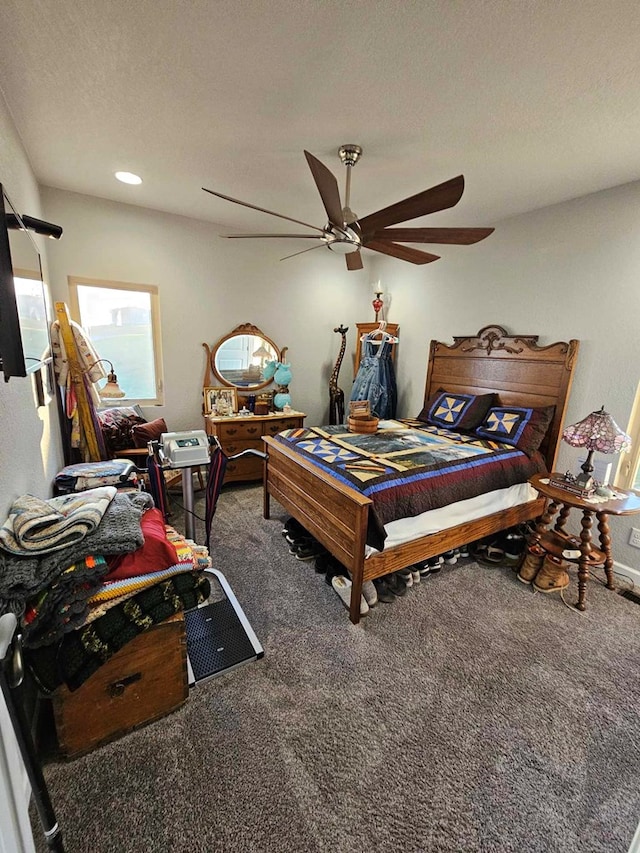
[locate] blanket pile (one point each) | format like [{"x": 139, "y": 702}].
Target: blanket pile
[
  {"x": 119, "y": 532},
  {"x": 56, "y": 558},
  {"x": 35, "y": 526},
  {"x": 78, "y": 655}
]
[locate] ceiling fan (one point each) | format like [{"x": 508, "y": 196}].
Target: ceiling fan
[{"x": 345, "y": 234}]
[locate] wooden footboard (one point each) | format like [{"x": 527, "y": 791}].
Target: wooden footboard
[{"x": 337, "y": 516}]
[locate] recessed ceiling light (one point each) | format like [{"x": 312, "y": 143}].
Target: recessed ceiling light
[{"x": 128, "y": 178}]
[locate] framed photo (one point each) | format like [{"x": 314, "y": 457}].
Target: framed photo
[{"x": 220, "y": 401}]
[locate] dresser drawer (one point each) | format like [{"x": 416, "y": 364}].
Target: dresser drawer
[
  {"x": 244, "y": 469},
  {"x": 237, "y": 431},
  {"x": 280, "y": 424},
  {"x": 232, "y": 447},
  {"x": 241, "y": 433}
]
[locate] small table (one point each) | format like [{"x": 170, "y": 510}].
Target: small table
[{"x": 627, "y": 504}]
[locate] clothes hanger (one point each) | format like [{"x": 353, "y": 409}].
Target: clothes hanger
[{"x": 384, "y": 335}]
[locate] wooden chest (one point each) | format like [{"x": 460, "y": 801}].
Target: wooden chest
[
  {"x": 142, "y": 682},
  {"x": 241, "y": 433}
]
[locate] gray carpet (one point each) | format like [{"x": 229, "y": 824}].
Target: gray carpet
[{"x": 471, "y": 715}]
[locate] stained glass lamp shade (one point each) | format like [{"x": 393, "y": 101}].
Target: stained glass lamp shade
[{"x": 598, "y": 431}]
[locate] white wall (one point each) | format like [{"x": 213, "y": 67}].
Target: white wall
[
  {"x": 567, "y": 271},
  {"x": 30, "y": 450},
  {"x": 28, "y": 459},
  {"x": 207, "y": 287}
]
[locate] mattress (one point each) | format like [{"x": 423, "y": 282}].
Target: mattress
[{"x": 433, "y": 521}]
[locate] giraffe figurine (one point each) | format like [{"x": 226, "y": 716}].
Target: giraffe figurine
[{"x": 336, "y": 395}]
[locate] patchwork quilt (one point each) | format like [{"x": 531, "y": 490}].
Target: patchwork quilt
[{"x": 408, "y": 467}]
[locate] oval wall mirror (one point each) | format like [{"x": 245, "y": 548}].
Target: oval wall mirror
[{"x": 238, "y": 359}]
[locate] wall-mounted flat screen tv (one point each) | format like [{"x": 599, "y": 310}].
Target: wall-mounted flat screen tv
[{"x": 24, "y": 314}]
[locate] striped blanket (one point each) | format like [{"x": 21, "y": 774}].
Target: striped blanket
[{"x": 36, "y": 526}]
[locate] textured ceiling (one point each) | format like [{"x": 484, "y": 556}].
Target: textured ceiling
[{"x": 534, "y": 101}]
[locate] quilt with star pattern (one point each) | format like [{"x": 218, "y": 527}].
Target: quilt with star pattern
[{"x": 408, "y": 467}]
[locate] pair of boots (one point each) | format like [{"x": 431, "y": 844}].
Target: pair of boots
[{"x": 546, "y": 572}]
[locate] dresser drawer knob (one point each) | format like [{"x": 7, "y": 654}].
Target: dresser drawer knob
[
  {"x": 231, "y": 431},
  {"x": 253, "y": 430}
]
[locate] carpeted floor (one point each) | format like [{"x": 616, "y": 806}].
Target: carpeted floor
[{"x": 471, "y": 715}]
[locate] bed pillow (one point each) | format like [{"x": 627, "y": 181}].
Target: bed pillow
[
  {"x": 522, "y": 427},
  {"x": 453, "y": 410},
  {"x": 156, "y": 554},
  {"x": 144, "y": 433}
]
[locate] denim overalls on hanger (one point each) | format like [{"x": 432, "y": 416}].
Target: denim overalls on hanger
[{"x": 376, "y": 381}]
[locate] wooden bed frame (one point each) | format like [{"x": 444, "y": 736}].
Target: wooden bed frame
[{"x": 515, "y": 367}]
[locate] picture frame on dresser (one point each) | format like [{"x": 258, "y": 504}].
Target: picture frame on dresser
[{"x": 219, "y": 400}]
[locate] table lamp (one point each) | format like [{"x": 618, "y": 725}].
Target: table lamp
[
  {"x": 598, "y": 431},
  {"x": 262, "y": 353}
]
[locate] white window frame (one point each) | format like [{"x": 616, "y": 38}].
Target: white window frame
[
  {"x": 74, "y": 308},
  {"x": 630, "y": 462}
]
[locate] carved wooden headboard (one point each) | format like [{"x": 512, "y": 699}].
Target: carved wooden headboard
[{"x": 514, "y": 366}]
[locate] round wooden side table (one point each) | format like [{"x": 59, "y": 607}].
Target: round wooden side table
[{"x": 559, "y": 541}]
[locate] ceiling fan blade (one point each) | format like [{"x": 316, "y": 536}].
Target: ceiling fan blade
[
  {"x": 288, "y": 236},
  {"x": 262, "y": 209},
  {"x": 328, "y": 188},
  {"x": 354, "y": 260},
  {"x": 300, "y": 253},
  {"x": 404, "y": 253},
  {"x": 436, "y": 198},
  {"x": 455, "y": 236}
]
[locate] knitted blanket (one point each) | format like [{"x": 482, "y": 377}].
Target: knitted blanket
[
  {"x": 78, "y": 655},
  {"x": 35, "y": 526},
  {"x": 114, "y": 589},
  {"x": 119, "y": 532},
  {"x": 63, "y": 606}
]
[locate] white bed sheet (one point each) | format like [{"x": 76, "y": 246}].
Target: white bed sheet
[{"x": 435, "y": 520}]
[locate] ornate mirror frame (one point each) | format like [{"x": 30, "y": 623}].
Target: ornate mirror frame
[{"x": 212, "y": 368}]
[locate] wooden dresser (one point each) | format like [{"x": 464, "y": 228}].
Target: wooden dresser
[{"x": 241, "y": 433}]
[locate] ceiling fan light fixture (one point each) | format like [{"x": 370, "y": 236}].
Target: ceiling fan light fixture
[
  {"x": 343, "y": 241},
  {"x": 343, "y": 247}
]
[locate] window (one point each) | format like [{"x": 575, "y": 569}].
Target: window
[
  {"x": 628, "y": 475},
  {"x": 123, "y": 322}
]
